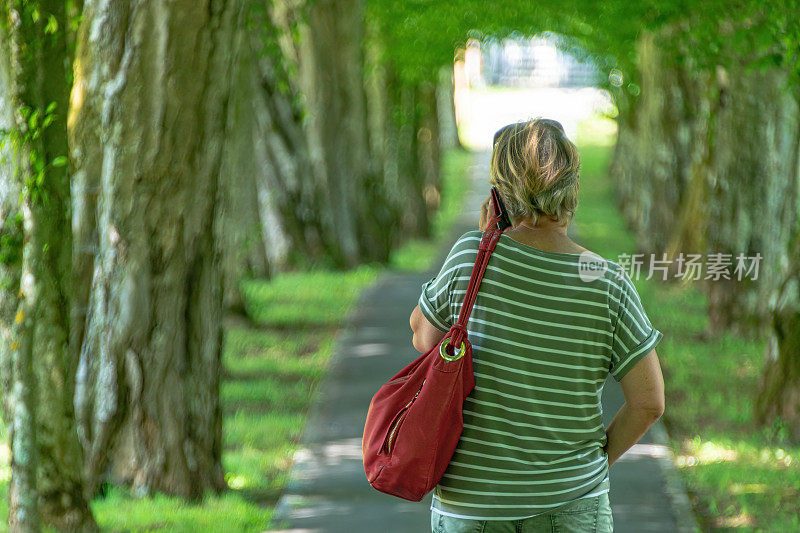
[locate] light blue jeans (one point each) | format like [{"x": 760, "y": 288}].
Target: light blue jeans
[{"x": 586, "y": 515}]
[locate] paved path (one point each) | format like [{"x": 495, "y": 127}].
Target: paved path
[{"x": 328, "y": 491}]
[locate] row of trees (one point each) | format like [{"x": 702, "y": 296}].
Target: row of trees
[{"x": 154, "y": 153}]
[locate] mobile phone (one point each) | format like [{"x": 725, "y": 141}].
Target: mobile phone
[{"x": 500, "y": 209}]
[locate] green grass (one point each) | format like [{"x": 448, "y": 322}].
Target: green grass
[
  {"x": 738, "y": 475},
  {"x": 271, "y": 369},
  {"x": 304, "y": 300}
]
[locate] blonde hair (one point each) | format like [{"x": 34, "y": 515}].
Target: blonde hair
[{"x": 535, "y": 168}]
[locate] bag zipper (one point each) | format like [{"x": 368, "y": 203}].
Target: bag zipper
[{"x": 395, "y": 425}]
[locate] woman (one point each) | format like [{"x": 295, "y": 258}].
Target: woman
[{"x": 534, "y": 455}]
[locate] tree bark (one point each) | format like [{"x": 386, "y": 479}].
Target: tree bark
[
  {"x": 753, "y": 201},
  {"x": 416, "y": 215},
  {"x": 16, "y": 377},
  {"x": 388, "y": 193},
  {"x": 244, "y": 246},
  {"x": 428, "y": 150},
  {"x": 779, "y": 391},
  {"x": 289, "y": 198},
  {"x": 654, "y": 143},
  {"x": 152, "y": 89},
  {"x": 331, "y": 79},
  {"x": 37, "y": 364}
]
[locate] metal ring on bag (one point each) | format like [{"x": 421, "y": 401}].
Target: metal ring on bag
[{"x": 455, "y": 356}]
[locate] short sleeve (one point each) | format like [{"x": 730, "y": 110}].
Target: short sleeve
[
  {"x": 634, "y": 335},
  {"x": 435, "y": 300}
]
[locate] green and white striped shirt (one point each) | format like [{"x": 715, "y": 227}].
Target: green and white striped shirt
[{"x": 544, "y": 340}]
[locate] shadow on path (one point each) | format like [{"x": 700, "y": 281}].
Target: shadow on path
[{"x": 328, "y": 491}]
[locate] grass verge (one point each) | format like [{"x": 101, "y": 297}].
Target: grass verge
[{"x": 738, "y": 475}]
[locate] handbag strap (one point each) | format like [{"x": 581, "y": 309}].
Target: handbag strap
[{"x": 488, "y": 243}]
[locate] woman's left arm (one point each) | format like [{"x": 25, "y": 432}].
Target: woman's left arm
[{"x": 426, "y": 335}]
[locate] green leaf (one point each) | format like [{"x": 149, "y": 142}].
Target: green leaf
[
  {"x": 33, "y": 120},
  {"x": 60, "y": 161},
  {"x": 50, "y": 108},
  {"x": 52, "y": 25}
]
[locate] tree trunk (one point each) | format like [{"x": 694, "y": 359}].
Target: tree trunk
[
  {"x": 428, "y": 150},
  {"x": 16, "y": 378},
  {"x": 753, "y": 201},
  {"x": 388, "y": 195},
  {"x": 358, "y": 163},
  {"x": 416, "y": 216},
  {"x": 445, "y": 104},
  {"x": 289, "y": 198},
  {"x": 331, "y": 79},
  {"x": 37, "y": 364},
  {"x": 152, "y": 89},
  {"x": 650, "y": 164},
  {"x": 779, "y": 394},
  {"x": 245, "y": 252}
]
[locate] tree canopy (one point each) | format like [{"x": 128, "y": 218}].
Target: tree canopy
[{"x": 422, "y": 35}]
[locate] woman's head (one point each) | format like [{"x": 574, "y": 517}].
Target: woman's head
[{"x": 535, "y": 168}]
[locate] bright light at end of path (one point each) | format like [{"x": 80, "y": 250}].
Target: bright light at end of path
[{"x": 498, "y": 84}]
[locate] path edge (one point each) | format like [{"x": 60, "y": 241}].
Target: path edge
[
  {"x": 282, "y": 509},
  {"x": 675, "y": 488}
]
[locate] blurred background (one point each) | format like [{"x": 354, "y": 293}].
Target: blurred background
[{"x": 193, "y": 196}]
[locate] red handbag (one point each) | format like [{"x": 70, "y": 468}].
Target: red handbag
[{"x": 414, "y": 421}]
